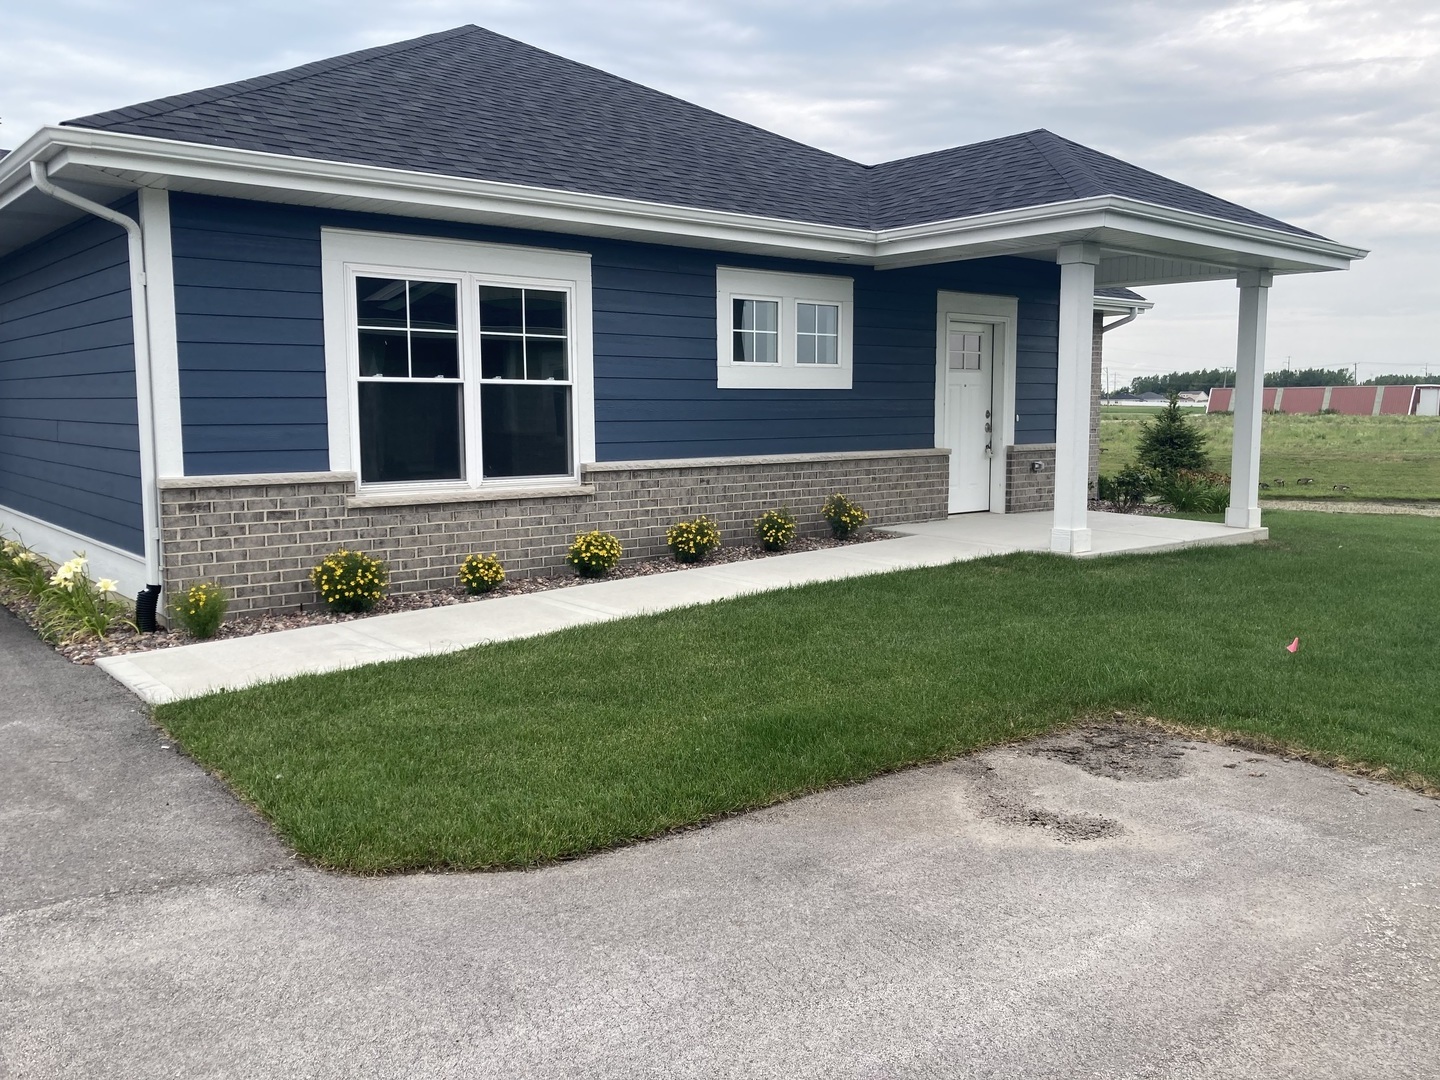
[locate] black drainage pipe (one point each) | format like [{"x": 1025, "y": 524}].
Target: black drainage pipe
[{"x": 146, "y": 604}]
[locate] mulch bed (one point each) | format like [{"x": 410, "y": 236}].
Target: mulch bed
[{"x": 122, "y": 641}]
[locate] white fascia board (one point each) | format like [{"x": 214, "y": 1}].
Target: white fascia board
[
  {"x": 161, "y": 162},
  {"x": 1092, "y": 218},
  {"x": 582, "y": 212}
]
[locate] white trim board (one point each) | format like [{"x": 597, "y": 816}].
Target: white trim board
[
  {"x": 58, "y": 543},
  {"x": 1003, "y": 313},
  {"x": 154, "y": 216}
]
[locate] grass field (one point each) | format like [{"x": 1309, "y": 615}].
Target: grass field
[
  {"x": 1376, "y": 457},
  {"x": 517, "y": 753}
]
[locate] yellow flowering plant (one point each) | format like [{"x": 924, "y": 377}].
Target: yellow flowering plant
[
  {"x": 775, "y": 529},
  {"x": 594, "y": 554},
  {"x": 202, "y": 608},
  {"x": 23, "y": 569},
  {"x": 846, "y": 517},
  {"x": 350, "y": 581},
  {"x": 481, "y": 573},
  {"x": 74, "y": 607},
  {"x": 691, "y": 541}
]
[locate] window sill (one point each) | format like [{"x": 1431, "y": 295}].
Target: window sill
[
  {"x": 784, "y": 377},
  {"x": 482, "y": 495}
]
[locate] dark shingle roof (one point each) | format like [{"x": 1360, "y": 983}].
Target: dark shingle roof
[
  {"x": 470, "y": 103},
  {"x": 1116, "y": 292}
]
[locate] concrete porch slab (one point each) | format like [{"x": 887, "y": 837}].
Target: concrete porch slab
[{"x": 192, "y": 670}]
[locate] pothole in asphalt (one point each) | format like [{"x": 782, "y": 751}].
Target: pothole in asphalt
[{"x": 1115, "y": 751}]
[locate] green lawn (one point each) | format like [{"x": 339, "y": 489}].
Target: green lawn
[
  {"x": 1377, "y": 457},
  {"x": 517, "y": 753}
]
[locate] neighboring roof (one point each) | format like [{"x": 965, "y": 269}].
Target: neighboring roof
[{"x": 470, "y": 103}]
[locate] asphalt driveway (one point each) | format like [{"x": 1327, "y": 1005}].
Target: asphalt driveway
[{"x": 1107, "y": 903}]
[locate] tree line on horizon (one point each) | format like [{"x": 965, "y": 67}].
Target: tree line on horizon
[{"x": 1182, "y": 382}]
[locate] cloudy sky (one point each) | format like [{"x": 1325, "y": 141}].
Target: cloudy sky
[{"x": 1325, "y": 114}]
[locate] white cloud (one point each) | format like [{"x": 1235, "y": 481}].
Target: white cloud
[{"x": 1323, "y": 112}]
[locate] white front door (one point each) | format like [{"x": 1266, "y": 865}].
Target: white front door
[{"x": 968, "y": 370}]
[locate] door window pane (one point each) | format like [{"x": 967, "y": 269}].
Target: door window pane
[
  {"x": 525, "y": 430},
  {"x": 410, "y": 431}
]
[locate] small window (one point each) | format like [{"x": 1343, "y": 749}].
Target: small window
[
  {"x": 757, "y": 332},
  {"x": 783, "y": 331},
  {"x": 818, "y": 335}
]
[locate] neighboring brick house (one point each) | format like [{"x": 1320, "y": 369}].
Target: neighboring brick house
[{"x": 460, "y": 294}]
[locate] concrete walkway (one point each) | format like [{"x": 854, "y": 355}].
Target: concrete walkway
[{"x": 192, "y": 670}]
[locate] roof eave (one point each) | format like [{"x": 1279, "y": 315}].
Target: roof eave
[{"x": 1128, "y": 229}]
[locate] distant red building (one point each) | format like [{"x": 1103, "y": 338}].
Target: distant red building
[{"x": 1418, "y": 400}]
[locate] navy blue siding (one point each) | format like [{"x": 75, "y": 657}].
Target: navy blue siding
[
  {"x": 248, "y": 300},
  {"x": 69, "y": 436}
]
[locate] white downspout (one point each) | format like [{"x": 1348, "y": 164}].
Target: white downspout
[
  {"x": 1134, "y": 314},
  {"x": 144, "y": 393}
]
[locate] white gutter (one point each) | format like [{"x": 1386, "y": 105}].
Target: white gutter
[
  {"x": 144, "y": 394},
  {"x": 426, "y": 193}
]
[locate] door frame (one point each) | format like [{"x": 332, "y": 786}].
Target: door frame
[{"x": 1002, "y": 313}]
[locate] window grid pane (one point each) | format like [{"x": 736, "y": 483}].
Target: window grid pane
[
  {"x": 523, "y": 336},
  {"x": 818, "y": 339}
]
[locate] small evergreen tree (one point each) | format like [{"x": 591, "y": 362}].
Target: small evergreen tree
[{"x": 1169, "y": 443}]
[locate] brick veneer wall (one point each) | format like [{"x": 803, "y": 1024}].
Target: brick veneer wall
[
  {"x": 1026, "y": 489},
  {"x": 259, "y": 537}
]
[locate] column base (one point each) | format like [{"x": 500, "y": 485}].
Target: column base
[
  {"x": 1241, "y": 517},
  {"x": 1070, "y": 541}
]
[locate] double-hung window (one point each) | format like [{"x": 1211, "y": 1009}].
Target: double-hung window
[
  {"x": 460, "y": 365},
  {"x": 783, "y": 331}
]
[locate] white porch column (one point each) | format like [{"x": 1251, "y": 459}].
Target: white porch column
[
  {"x": 1070, "y": 534},
  {"x": 1244, "y": 510}
]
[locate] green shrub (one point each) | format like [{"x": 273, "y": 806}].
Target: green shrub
[
  {"x": 775, "y": 529},
  {"x": 1194, "y": 492},
  {"x": 74, "y": 607},
  {"x": 1169, "y": 443},
  {"x": 23, "y": 569},
  {"x": 350, "y": 581},
  {"x": 846, "y": 517},
  {"x": 1129, "y": 487},
  {"x": 691, "y": 541},
  {"x": 594, "y": 554},
  {"x": 481, "y": 573},
  {"x": 202, "y": 609}
]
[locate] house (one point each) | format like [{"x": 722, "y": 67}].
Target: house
[
  {"x": 1393, "y": 400},
  {"x": 458, "y": 294}
]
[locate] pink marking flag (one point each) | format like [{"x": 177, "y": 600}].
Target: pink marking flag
[{"x": 1294, "y": 646}]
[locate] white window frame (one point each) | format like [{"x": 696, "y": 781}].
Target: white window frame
[
  {"x": 736, "y": 283},
  {"x": 347, "y": 254}
]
